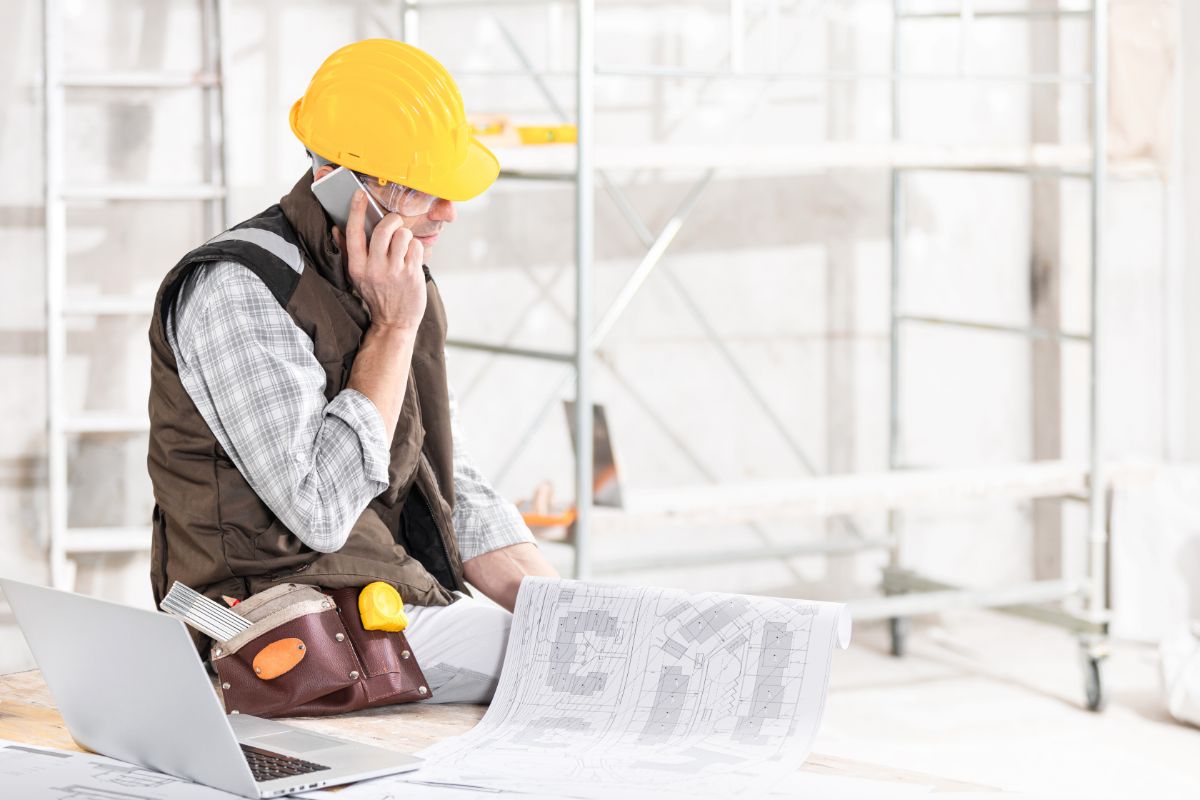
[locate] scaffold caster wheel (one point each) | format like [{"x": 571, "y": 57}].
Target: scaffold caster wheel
[
  {"x": 898, "y": 627},
  {"x": 1093, "y": 685}
]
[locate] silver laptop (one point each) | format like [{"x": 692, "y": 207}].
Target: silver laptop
[{"x": 130, "y": 686}]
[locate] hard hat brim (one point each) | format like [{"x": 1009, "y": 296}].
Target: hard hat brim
[{"x": 470, "y": 179}]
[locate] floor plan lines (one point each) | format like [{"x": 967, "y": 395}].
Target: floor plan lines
[
  {"x": 607, "y": 689},
  {"x": 29, "y": 771}
]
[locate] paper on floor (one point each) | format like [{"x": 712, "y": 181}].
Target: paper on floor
[
  {"x": 616, "y": 691},
  {"x": 29, "y": 772},
  {"x": 805, "y": 785}
]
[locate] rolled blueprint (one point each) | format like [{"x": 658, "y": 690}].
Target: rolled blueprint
[{"x": 625, "y": 691}]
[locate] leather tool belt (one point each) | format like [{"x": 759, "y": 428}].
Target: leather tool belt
[{"x": 307, "y": 654}]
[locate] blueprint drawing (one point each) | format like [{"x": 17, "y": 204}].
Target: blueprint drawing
[
  {"x": 612, "y": 690},
  {"x": 30, "y": 772}
]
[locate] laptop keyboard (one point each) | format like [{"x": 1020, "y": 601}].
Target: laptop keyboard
[{"x": 267, "y": 766}]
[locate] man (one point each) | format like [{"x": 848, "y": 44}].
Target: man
[{"x": 302, "y": 428}]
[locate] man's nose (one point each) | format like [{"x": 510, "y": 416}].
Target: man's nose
[{"x": 443, "y": 211}]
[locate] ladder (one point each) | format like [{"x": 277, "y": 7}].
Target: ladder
[{"x": 65, "y": 543}]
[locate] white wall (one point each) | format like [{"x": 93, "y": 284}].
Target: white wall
[
  {"x": 1188, "y": 173},
  {"x": 791, "y": 270}
]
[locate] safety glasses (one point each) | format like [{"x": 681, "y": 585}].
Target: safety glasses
[{"x": 396, "y": 198}]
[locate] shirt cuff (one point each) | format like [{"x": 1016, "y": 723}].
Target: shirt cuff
[
  {"x": 356, "y": 410},
  {"x": 481, "y": 531}
]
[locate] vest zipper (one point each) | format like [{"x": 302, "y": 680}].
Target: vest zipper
[{"x": 424, "y": 462}]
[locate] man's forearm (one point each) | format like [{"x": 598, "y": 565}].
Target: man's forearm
[
  {"x": 381, "y": 369},
  {"x": 498, "y": 574}
]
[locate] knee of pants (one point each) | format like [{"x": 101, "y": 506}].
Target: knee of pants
[
  {"x": 461, "y": 650},
  {"x": 480, "y": 637}
]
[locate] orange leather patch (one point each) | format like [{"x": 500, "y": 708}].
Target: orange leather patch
[{"x": 278, "y": 657}]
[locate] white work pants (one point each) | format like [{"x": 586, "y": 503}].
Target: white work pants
[{"x": 460, "y": 648}]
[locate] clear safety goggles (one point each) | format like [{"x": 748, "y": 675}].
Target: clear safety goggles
[{"x": 396, "y": 198}]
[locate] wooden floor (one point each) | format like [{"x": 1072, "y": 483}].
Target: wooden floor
[{"x": 28, "y": 715}]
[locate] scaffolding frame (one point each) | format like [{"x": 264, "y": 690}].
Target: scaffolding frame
[
  {"x": 64, "y": 542},
  {"x": 1091, "y": 622},
  {"x": 906, "y": 593}
]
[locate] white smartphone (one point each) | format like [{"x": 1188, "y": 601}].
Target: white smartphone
[{"x": 336, "y": 190}]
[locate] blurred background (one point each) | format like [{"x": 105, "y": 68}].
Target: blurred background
[{"x": 841, "y": 262}]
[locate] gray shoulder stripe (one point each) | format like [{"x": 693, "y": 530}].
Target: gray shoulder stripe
[{"x": 273, "y": 243}]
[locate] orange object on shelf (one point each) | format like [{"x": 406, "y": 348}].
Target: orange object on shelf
[
  {"x": 536, "y": 520},
  {"x": 547, "y": 521}
]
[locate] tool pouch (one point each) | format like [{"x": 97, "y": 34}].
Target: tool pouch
[{"x": 307, "y": 654}]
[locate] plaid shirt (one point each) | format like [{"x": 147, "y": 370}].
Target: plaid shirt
[{"x": 251, "y": 372}]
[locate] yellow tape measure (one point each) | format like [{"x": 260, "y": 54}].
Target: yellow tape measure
[{"x": 381, "y": 608}]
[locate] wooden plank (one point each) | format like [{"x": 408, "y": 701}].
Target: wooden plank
[
  {"x": 842, "y": 494},
  {"x": 1045, "y": 290},
  {"x": 818, "y": 158},
  {"x": 28, "y": 715}
]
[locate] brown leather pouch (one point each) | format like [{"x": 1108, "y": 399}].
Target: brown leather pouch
[{"x": 307, "y": 654}]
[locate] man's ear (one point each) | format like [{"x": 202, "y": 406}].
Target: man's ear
[
  {"x": 322, "y": 171},
  {"x": 339, "y": 241}
]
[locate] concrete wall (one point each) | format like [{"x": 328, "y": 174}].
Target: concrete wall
[{"x": 790, "y": 270}]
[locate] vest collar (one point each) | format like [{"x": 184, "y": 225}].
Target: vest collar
[{"x": 315, "y": 230}]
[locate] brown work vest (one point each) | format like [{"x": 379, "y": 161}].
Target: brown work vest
[{"x": 211, "y": 531}]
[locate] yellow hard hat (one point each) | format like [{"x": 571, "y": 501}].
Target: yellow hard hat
[{"x": 388, "y": 109}]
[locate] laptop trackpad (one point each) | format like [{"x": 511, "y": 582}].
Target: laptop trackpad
[{"x": 296, "y": 742}]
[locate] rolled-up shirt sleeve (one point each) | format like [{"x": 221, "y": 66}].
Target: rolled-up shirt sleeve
[
  {"x": 357, "y": 411},
  {"x": 251, "y": 371}
]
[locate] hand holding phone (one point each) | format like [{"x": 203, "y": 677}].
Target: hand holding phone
[
  {"x": 384, "y": 261},
  {"x": 388, "y": 272}
]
